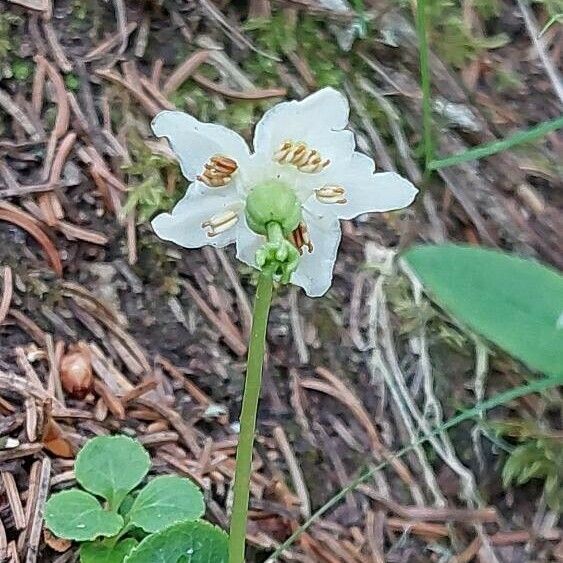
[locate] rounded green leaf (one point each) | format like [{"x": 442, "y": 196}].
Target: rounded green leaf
[
  {"x": 515, "y": 303},
  {"x": 164, "y": 501},
  {"x": 76, "y": 515},
  {"x": 190, "y": 542},
  {"x": 111, "y": 466},
  {"x": 101, "y": 552}
]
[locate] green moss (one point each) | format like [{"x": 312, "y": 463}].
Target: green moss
[
  {"x": 7, "y": 34},
  {"x": 22, "y": 70},
  {"x": 306, "y": 37},
  {"x": 72, "y": 81},
  {"x": 537, "y": 455},
  {"x": 452, "y": 37},
  {"x": 149, "y": 174},
  {"x": 553, "y": 7},
  {"x": 507, "y": 80}
]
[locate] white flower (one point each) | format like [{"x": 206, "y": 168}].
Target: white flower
[{"x": 303, "y": 144}]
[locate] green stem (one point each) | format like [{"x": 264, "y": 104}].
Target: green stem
[
  {"x": 535, "y": 386},
  {"x": 421, "y": 29},
  {"x": 237, "y": 535}
]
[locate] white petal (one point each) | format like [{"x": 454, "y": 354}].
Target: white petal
[
  {"x": 366, "y": 192},
  {"x": 183, "y": 225},
  {"x": 314, "y": 273},
  {"x": 195, "y": 142},
  {"x": 318, "y": 121},
  {"x": 248, "y": 242}
]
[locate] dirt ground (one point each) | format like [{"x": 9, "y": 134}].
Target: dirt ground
[{"x": 350, "y": 377}]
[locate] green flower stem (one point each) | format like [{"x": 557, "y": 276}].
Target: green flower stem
[{"x": 237, "y": 535}]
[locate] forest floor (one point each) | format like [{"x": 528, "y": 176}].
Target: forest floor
[{"x": 350, "y": 377}]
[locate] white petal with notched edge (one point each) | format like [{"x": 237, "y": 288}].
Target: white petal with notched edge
[
  {"x": 319, "y": 121},
  {"x": 183, "y": 225},
  {"x": 365, "y": 191},
  {"x": 314, "y": 272},
  {"x": 195, "y": 142}
]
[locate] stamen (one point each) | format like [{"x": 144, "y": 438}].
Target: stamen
[
  {"x": 299, "y": 155},
  {"x": 300, "y": 238},
  {"x": 220, "y": 223},
  {"x": 331, "y": 194},
  {"x": 218, "y": 172}
]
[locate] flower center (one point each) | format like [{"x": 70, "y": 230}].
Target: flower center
[
  {"x": 302, "y": 157},
  {"x": 218, "y": 171},
  {"x": 272, "y": 202},
  {"x": 220, "y": 222},
  {"x": 331, "y": 194},
  {"x": 300, "y": 238}
]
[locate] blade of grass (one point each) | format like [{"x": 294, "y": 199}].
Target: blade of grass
[
  {"x": 494, "y": 147},
  {"x": 500, "y": 399},
  {"x": 421, "y": 30}
]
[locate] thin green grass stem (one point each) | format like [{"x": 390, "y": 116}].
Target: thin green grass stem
[
  {"x": 422, "y": 31},
  {"x": 488, "y": 149},
  {"x": 500, "y": 399}
]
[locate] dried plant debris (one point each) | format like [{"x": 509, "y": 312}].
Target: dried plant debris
[{"x": 105, "y": 330}]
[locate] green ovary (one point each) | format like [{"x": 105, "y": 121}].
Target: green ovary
[{"x": 272, "y": 202}]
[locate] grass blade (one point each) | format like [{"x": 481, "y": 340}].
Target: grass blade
[
  {"x": 422, "y": 31},
  {"x": 494, "y": 147},
  {"x": 502, "y": 398}
]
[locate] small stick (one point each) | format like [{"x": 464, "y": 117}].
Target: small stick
[
  {"x": 106, "y": 46},
  {"x": 6, "y": 293},
  {"x": 14, "y": 499},
  {"x": 257, "y": 94},
  {"x": 111, "y": 401},
  {"x": 294, "y": 470},
  {"x": 56, "y": 48},
  {"x": 184, "y": 71},
  {"x": 26, "y": 222},
  {"x": 19, "y": 115},
  {"x": 42, "y": 489},
  {"x": 38, "y": 86}
]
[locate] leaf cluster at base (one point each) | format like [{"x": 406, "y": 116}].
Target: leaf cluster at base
[{"x": 118, "y": 523}]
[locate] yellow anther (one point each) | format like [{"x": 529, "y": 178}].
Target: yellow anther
[
  {"x": 299, "y": 155},
  {"x": 331, "y": 194}
]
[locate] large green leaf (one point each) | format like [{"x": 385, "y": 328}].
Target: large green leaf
[
  {"x": 164, "y": 501},
  {"x": 189, "y": 542},
  {"x": 111, "y": 466},
  {"x": 76, "y": 515},
  {"x": 514, "y": 302},
  {"x": 104, "y": 552}
]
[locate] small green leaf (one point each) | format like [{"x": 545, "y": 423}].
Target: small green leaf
[
  {"x": 195, "y": 542},
  {"x": 164, "y": 501},
  {"x": 101, "y": 552},
  {"x": 76, "y": 515},
  {"x": 111, "y": 466},
  {"x": 515, "y": 303}
]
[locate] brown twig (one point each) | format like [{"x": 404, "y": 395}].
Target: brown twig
[
  {"x": 229, "y": 331},
  {"x": 6, "y": 293},
  {"x": 184, "y": 71},
  {"x": 19, "y": 115},
  {"x": 107, "y": 45},
  {"x": 14, "y": 215},
  {"x": 148, "y": 105},
  {"x": 14, "y": 499},
  {"x": 258, "y": 94},
  {"x": 35, "y": 522}
]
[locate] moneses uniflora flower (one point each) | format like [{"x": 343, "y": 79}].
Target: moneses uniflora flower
[{"x": 283, "y": 202}]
